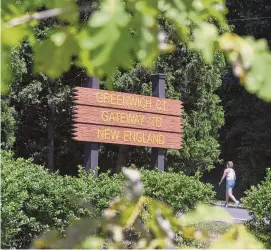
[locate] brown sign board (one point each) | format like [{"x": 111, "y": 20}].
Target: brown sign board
[
  {"x": 118, "y": 100},
  {"x": 121, "y": 118},
  {"x": 127, "y": 136},
  {"x": 126, "y": 118}
]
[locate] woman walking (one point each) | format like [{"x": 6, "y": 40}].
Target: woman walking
[{"x": 230, "y": 175}]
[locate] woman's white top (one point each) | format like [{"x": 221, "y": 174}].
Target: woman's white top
[{"x": 230, "y": 175}]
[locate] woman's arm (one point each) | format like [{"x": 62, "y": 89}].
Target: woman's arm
[{"x": 223, "y": 177}]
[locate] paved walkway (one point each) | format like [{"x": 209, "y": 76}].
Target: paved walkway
[{"x": 238, "y": 214}]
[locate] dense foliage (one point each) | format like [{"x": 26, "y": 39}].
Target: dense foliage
[
  {"x": 175, "y": 189},
  {"x": 257, "y": 200},
  {"x": 35, "y": 118},
  {"x": 43, "y": 109},
  {"x": 196, "y": 83},
  {"x": 8, "y": 124},
  {"x": 135, "y": 36},
  {"x": 245, "y": 138},
  {"x": 246, "y": 134},
  {"x": 9, "y": 116},
  {"x": 135, "y": 221},
  {"x": 34, "y": 200}
]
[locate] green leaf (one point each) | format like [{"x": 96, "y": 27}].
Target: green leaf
[
  {"x": 265, "y": 91},
  {"x": 237, "y": 238},
  {"x": 109, "y": 38},
  {"x": 258, "y": 78},
  {"x": 251, "y": 62},
  {"x": 205, "y": 213},
  {"x": 146, "y": 31},
  {"x": 5, "y": 72},
  {"x": 92, "y": 243},
  {"x": 177, "y": 17},
  {"x": 53, "y": 59},
  {"x": 13, "y": 36},
  {"x": 205, "y": 37},
  {"x": 67, "y": 5},
  {"x": 59, "y": 38}
]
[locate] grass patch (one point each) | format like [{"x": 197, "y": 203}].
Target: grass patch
[
  {"x": 218, "y": 227},
  {"x": 214, "y": 229}
]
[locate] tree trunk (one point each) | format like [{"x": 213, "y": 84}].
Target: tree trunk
[
  {"x": 122, "y": 158},
  {"x": 51, "y": 138}
]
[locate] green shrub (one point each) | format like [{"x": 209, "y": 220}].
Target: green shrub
[
  {"x": 176, "y": 189},
  {"x": 214, "y": 228},
  {"x": 122, "y": 228},
  {"x": 33, "y": 200},
  {"x": 100, "y": 191},
  {"x": 258, "y": 202}
]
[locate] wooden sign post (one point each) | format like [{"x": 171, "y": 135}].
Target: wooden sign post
[
  {"x": 120, "y": 118},
  {"x": 158, "y": 90},
  {"x": 91, "y": 149}
]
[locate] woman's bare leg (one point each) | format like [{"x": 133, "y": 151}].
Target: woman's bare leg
[
  {"x": 227, "y": 197},
  {"x": 231, "y": 195}
]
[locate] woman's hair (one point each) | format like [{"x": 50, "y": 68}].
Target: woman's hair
[{"x": 229, "y": 163}]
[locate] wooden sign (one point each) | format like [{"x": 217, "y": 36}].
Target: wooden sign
[
  {"x": 128, "y": 136},
  {"x": 121, "y": 118},
  {"x": 117, "y": 100},
  {"x": 126, "y": 118}
]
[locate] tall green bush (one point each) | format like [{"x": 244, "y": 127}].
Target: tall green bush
[
  {"x": 258, "y": 202},
  {"x": 33, "y": 200},
  {"x": 176, "y": 189}
]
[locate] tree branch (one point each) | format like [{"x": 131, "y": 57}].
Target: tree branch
[
  {"x": 37, "y": 16},
  {"x": 46, "y": 14}
]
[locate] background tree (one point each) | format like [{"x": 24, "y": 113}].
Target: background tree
[
  {"x": 70, "y": 38},
  {"x": 8, "y": 114},
  {"x": 43, "y": 115},
  {"x": 44, "y": 108},
  {"x": 138, "y": 24},
  {"x": 245, "y": 137},
  {"x": 8, "y": 124},
  {"x": 190, "y": 79},
  {"x": 196, "y": 83},
  {"x": 247, "y": 130}
]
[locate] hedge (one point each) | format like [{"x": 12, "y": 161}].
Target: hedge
[
  {"x": 258, "y": 202},
  {"x": 33, "y": 200}
]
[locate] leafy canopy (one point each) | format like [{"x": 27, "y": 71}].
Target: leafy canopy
[
  {"x": 34, "y": 200},
  {"x": 257, "y": 200},
  {"x": 153, "y": 221},
  {"x": 123, "y": 31}
]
